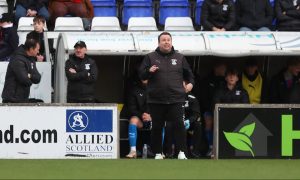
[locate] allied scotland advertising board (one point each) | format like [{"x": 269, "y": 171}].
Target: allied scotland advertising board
[
  {"x": 45, "y": 132},
  {"x": 260, "y": 131}
]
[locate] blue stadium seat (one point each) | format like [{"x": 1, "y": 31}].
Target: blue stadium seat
[
  {"x": 198, "y": 12},
  {"x": 136, "y": 8},
  {"x": 173, "y": 8},
  {"x": 103, "y": 8}
]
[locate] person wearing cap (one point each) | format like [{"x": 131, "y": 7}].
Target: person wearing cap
[
  {"x": 253, "y": 82},
  {"x": 31, "y": 8},
  {"x": 232, "y": 92},
  {"x": 81, "y": 72},
  {"x": 9, "y": 38},
  {"x": 21, "y": 74}
]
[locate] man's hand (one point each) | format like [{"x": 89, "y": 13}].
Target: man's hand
[
  {"x": 188, "y": 87},
  {"x": 146, "y": 117},
  {"x": 71, "y": 70},
  {"x": 29, "y": 75},
  {"x": 153, "y": 68}
]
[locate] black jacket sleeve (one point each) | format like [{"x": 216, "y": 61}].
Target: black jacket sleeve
[
  {"x": 194, "y": 109},
  {"x": 232, "y": 17},
  {"x": 144, "y": 68},
  {"x": 207, "y": 25},
  {"x": 93, "y": 72},
  {"x": 20, "y": 70},
  {"x": 35, "y": 75},
  {"x": 74, "y": 76}
]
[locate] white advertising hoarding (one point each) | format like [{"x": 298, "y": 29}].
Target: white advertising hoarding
[{"x": 47, "y": 132}]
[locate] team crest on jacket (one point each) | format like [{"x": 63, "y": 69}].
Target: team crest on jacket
[
  {"x": 87, "y": 66},
  {"x": 225, "y": 7},
  {"x": 174, "y": 61}
]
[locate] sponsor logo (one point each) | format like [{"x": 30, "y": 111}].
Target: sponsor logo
[{"x": 78, "y": 121}]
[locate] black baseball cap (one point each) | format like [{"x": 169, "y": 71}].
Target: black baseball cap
[
  {"x": 80, "y": 44},
  {"x": 6, "y": 17}
]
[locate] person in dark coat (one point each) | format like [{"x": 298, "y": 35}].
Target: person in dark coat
[
  {"x": 137, "y": 111},
  {"x": 81, "y": 72},
  {"x": 254, "y": 15},
  {"x": 287, "y": 15},
  {"x": 218, "y": 15},
  {"x": 232, "y": 92},
  {"x": 9, "y": 38},
  {"x": 166, "y": 70},
  {"x": 31, "y": 8},
  {"x": 285, "y": 85},
  {"x": 21, "y": 73}
]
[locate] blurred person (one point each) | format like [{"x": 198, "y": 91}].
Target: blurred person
[
  {"x": 9, "y": 38},
  {"x": 205, "y": 90},
  {"x": 76, "y": 8},
  {"x": 21, "y": 74},
  {"x": 31, "y": 8},
  {"x": 232, "y": 92},
  {"x": 38, "y": 34},
  {"x": 285, "y": 85},
  {"x": 136, "y": 110},
  {"x": 165, "y": 69},
  {"x": 253, "y": 82},
  {"x": 81, "y": 72},
  {"x": 287, "y": 14},
  {"x": 254, "y": 15},
  {"x": 218, "y": 15}
]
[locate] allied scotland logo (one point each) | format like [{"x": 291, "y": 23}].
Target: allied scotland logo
[{"x": 78, "y": 121}]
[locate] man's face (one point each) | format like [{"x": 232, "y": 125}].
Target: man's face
[
  {"x": 34, "y": 51},
  {"x": 251, "y": 70},
  {"x": 165, "y": 43},
  {"x": 295, "y": 70},
  {"x": 231, "y": 79},
  {"x": 80, "y": 51},
  {"x": 38, "y": 26}
]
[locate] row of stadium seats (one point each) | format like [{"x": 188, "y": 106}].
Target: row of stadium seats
[{"x": 112, "y": 24}]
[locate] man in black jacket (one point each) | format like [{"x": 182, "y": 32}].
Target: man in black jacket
[
  {"x": 287, "y": 15},
  {"x": 218, "y": 15},
  {"x": 136, "y": 110},
  {"x": 254, "y": 15},
  {"x": 21, "y": 73},
  {"x": 9, "y": 38},
  {"x": 81, "y": 72},
  {"x": 286, "y": 84},
  {"x": 166, "y": 70},
  {"x": 31, "y": 8}
]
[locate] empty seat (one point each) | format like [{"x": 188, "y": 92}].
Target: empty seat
[
  {"x": 104, "y": 8},
  {"x": 179, "y": 24},
  {"x": 142, "y": 24},
  {"x": 173, "y": 8},
  {"x": 105, "y": 24},
  {"x": 68, "y": 24},
  {"x": 198, "y": 12},
  {"x": 136, "y": 8}
]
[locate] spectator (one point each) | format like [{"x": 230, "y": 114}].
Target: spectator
[
  {"x": 81, "y": 72},
  {"x": 77, "y": 8},
  {"x": 21, "y": 74},
  {"x": 165, "y": 70},
  {"x": 232, "y": 92},
  {"x": 31, "y": 8},
  {"x": 218, "y": 15},
  {"x": 39, "y": 24},
  {"x": 253, "y": 82},
  {"x": 192, "y": 124},
  {"x": 136, "y": 109},
  {"x": 204, "y": 91},
  {"x": 9, "y": 38},
  {"x": 285, "y": 85},
  {"x": 287, "y": 15},
  {"x": 254, "y": 15}
]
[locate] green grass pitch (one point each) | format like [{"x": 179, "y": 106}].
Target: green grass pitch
[{"x": 149, "y": 169}]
